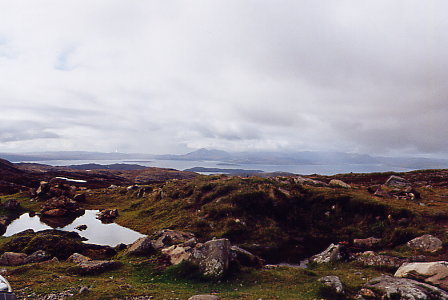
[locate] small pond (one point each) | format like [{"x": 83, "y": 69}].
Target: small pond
[{"x": 99, "y": 233}]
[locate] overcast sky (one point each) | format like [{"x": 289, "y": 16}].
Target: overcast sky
[{"x": 171, "y": 76}]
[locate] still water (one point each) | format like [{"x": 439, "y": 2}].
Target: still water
[{"x": 97, "y": 232}]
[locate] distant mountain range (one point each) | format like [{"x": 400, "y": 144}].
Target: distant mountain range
[{"x": 236, "y": 158}]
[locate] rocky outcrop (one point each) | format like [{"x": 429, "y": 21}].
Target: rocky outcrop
[
  {"x": 309, "y": 181},
  {"x": 333, "y": 285},
  {"x": 435, "y": 273},
  {"x": 85, "y": 265},
  {"x": 166, "y": 237},
  {"x": 142, "y": 246},
  {"x": 390, "y": 288},
  {"x": 107, "y": 215},
  {"x": 38, "y": 256},
  {"x": 57, "y": 243},
  {"x": 339, "y": 184},
  {"x": 212, "y": 258},
  {"x": 397, "y": 182},
  {"x": 12, "y": 259},
  {"x": 331, "y": 254},
  {"x": 426, "y": 243},
  {"x": 61, "y": 206},
  {"x": 178, "y": 254}
]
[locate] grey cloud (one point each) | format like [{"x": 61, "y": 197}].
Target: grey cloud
[{"x": 155, "y": 76}]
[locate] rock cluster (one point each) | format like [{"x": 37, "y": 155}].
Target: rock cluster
[
  {"x": 396, "y": 187},
  {"x": 60, "y": 199},
  {"x": 86, "y": 265},
  {"x": 107, "y": 215},
  {"x": 212, "y": 257}
]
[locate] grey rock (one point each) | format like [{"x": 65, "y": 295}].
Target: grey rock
[
  {"x": 142, "y": 246},
  {"x": 435, "y": 273},
  {"x": 426, "y": 242},
  {"x": 397, "y": 182},
  {"x": 333, "y": 283},
  {"x": 339, "y": 184},
  {"x": 213, "y": 258},
  {"x": 390, "y": 288},
  {"x": 38, "y": 256},
  {"x": 331, "y": 254}
]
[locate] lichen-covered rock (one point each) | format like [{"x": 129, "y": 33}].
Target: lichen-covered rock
[
  {"x": 142, "y": 246},
  {"x": 391, "y": 288},
  {"x": 178, "y": 254},
  {"x": 371, "y": 259},
  {"x": 367, "y": 243},
  {"x": 166, "y": 237},
  {"x": 435, "y": 273},
  {"x": 331, "y": 254},
  {"x": 212, "y": 258},
  {"x": 333, "y": 284},
  {"x": 426, "y": 243},
  {"x": 339, "y": 184}
]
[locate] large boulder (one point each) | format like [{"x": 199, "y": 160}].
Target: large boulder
[
  {"x": 12, "y": 259},
  {"x": 391, "y": 288},
  {"x": 213, "y": 258},
  {"x": 166, "y": 237},
  {"x": 142, "y": 246},
  {"x": 331, "y": 254},
  {"x": 435, "y": 273},
  {"x": 426, "y": 243},
  {"x": 78, "y": 258}
]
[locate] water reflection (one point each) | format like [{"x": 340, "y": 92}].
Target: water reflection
[{"x": 98, "y": 233}]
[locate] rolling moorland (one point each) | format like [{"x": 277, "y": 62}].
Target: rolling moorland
[{"x": 360, "y": 236}]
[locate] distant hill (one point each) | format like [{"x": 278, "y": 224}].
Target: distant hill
[{"x": 107, "y": 167}]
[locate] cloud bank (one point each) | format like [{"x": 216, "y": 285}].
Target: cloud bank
[{"x": 168, "y": 76}]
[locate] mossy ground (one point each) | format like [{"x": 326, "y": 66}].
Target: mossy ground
[{"x": 139, "y": 277}]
